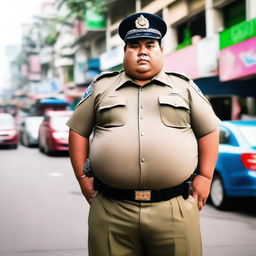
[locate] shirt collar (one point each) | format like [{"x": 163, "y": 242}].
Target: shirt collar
[{"x": 161, "y": 77}]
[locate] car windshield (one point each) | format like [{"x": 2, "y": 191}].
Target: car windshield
[
  {"x": 249, "y": 134},
  {"x": 59, "y": 122}
]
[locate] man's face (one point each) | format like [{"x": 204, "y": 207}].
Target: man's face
[{"x": 143, "y": 58}]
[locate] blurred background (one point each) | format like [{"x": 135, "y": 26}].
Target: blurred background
[
  {"x": 57, "y": 50},
  {"x": 50, "y": 52}
]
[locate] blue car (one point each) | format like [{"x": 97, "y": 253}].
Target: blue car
[{"x": 235, "y": 173}]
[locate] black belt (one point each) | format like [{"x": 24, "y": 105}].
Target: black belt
[{"x": 144, "y": 195}]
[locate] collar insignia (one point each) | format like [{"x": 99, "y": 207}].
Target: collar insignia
[
  {"x": 141, "y": 22},
  {"x": 175, "y": 91}
]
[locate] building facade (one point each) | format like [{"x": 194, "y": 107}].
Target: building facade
[{"x": 211, "y": 41}]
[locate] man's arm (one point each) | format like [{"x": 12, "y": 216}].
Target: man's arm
[
  {"x": 207, "y": 154},
  {"x": 78, "y": 150}
]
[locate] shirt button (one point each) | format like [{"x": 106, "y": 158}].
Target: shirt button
[
  {"x": 141, "y": 117},
  {"x": 142, "y": 134},
  {"x": 141, "y": 106},
  {"x": 142, "y": 89},
  {"x": 142, "y": 160}
]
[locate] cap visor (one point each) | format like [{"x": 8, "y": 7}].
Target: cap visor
[{"x": 143, "y": 35}]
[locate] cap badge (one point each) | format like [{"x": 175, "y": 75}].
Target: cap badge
[{"x": 141, "y": 22}]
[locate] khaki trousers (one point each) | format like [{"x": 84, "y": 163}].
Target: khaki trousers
[{"x": 124, "y": 228}]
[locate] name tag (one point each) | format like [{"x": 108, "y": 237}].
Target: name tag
[{"x": 143, "y": 195}]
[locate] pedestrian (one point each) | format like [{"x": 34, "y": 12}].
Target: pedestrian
[{"x": 138, "y": 140}]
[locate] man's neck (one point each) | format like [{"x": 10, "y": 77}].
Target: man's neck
[{"x": 141, "y": 82}]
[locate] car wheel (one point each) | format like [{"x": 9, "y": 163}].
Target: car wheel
[
  {"x": 41, "y": 149},
  {"x": 21, "y": 139},
  {"x": 25, "y": 140},
  {"x": 47, "y": 151},
  {"x": 217, "y": 194}
]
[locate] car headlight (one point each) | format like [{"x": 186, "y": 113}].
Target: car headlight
[{"x": 60, "y": 135}]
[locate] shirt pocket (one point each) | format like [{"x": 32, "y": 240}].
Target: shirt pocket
[
  {"x": 112, "y": 112},
  {"x": 174, "y": 111}
]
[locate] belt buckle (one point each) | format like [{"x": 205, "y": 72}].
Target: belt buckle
[{"x": 142, "y": 195}]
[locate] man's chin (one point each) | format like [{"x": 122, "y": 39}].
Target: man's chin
[
  {"x": 144, "y": 75},
  {"x": 141, "y": 74}
]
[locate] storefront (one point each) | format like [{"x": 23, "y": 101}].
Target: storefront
[
  {"x": 237, "y": 67},
  {"x": 224, "y": 68},
  {"x": 112, "y": 60}
]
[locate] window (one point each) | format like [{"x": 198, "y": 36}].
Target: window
[
  {"x": 224, "y": 136},
  {"x": 195, "y": 26},
  {"x": 145, "y": 3},
  {"x": 234, "y": 13},
  {"x": 121, "y": 9},
  {"x": 70, "y": 73}
]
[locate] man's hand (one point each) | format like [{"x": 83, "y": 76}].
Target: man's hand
[
  {"x": 201, "y": 188},
  {"x": 86, "y": 185}
]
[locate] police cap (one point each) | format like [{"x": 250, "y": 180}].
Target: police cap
[{"x": 141, "y": 25}]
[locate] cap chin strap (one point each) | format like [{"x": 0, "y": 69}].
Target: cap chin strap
[{"x": 141, "y": 30}]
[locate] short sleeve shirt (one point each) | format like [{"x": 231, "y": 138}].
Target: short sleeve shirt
[{"x": 144, "y": 137}]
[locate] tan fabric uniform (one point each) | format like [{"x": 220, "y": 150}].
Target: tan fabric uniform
[
  {"x": 143, "y": 137},
  {"x": 121, "y": 228}
]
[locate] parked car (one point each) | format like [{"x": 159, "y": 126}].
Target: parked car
[
  {"x": 53, "y": 132},
  {"x": 29, "y": 130},
  {"x": 235, "y": 173},
  {"x": 8, "y": 131}
]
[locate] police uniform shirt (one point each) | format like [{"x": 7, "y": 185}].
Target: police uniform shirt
[{"x": 143, "y": 136}]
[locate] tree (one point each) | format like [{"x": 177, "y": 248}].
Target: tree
[{"x": 77, "y": 8}]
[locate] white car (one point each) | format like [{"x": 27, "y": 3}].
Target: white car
[{"x": 29, "y": 130}]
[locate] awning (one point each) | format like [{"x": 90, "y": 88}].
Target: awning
[{"x": 213, "y": 86}]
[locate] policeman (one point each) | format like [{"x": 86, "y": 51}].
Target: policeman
[{"x": 150, "y": 130}]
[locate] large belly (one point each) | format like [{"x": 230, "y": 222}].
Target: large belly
[{"x": 124, "y": 160}]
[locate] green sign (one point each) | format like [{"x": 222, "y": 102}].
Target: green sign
[
  {"x": 94, "y": 19},
  {"x": 238, "y": 33}
]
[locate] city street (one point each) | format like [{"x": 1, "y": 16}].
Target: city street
[{"x": 43, "y": 213}]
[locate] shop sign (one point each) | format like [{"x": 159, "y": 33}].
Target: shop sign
[
  {"x": 95, "y": 19},
  {"x": 183, "y": 61},
  {"x": 238, "y": 33},
  {"x": 94, "y": 63},
  {"x": 199, "y": 60},
  {"x": 238, "y": 60},
  {"x": 111, "y": 58}
]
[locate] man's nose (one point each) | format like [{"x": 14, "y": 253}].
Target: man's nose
[{"x": 142, "y": 50}]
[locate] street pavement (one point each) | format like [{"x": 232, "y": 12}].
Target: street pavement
[{"x": 42, "y": 212}]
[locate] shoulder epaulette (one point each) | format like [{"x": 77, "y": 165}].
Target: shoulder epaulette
[
  {"x": 105, "y": 74},
  {"x": 180, "y": 75}
]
